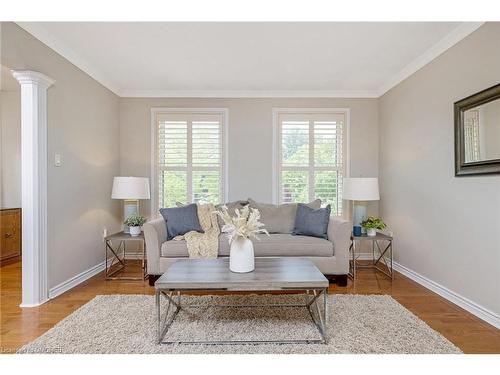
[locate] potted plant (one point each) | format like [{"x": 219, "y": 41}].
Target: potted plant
[
  {"x": 135, "y": 222},
  {"x": 238, "y": 229},
  {"x": 371, "y": 224}
]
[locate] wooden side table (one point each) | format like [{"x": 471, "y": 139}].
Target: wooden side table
[
  {"x": 379, "y": 242},
  {"x": 119, "y": 255}
]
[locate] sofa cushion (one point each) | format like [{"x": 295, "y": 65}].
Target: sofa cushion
[
  {"x": 281, "y": 244},
  {"x": 279, "y": 218},
  {"x": 274, "y": 245}
]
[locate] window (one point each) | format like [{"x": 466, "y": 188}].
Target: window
[
  {"x": 311, "y": 156},
  {"x": 188, "y": 157},
  {"x": 472, "y": 136}
]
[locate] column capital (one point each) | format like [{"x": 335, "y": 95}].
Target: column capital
[{"x": 32, "y": 77}]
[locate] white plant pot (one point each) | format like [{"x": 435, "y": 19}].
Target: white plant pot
[
  {"x": 241, "y": 256},
  {"x": 135, "y": 231},
  {"x": 371, "y": 232}
]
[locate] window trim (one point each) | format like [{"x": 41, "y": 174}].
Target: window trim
[
  {"x": 224, "y": 112},
  {"x": 276, "y": 166}
]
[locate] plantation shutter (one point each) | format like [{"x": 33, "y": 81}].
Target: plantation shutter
[
  {"x": 472, "y": 136},
  {"x": 189, "y": 158},
  {"x": 312, "y": 158}
]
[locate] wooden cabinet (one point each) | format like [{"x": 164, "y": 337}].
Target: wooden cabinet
[{"x": 10, "y": 235}]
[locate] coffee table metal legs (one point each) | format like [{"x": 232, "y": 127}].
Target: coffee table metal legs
[
  {"x": 164, "y": 325},
  {"x": 312, "y": 304},
  {"x": 320, "y": 321}
]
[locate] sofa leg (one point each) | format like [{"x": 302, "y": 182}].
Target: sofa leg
[
  {"x": 340, "y": 280},
  {"x": 152, "y": 279}
]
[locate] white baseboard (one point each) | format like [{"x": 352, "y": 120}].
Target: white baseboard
[
  {"x": 364, "y": 256},
  {"x": 465, "y": 303},
  {"x": 75, "y": 280},
  {"x": 134, "y": 256},
  {"x": 85, "y": 275}
]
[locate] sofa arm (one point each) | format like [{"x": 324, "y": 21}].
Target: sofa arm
[
  {"x": 155, "y": 233},
  {"x": 339, "y": 232}
]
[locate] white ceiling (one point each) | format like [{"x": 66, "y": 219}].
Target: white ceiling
[{"x": 249, "y": 59}]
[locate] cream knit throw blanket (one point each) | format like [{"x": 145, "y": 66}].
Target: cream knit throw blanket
[{"x": 203, "y": 245}]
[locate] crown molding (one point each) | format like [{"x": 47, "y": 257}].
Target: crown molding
[
  {"x": 39, "y": 32},
  {"x": 455, "y": 36},
  {"x": 248, "y": 93}
]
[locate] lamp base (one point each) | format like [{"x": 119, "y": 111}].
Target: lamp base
[
  {"x": 130, "y": 207},
  {"x": 359, "y": 215}
]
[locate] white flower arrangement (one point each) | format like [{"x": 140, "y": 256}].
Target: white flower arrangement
[{"x": 245, "y": 224}]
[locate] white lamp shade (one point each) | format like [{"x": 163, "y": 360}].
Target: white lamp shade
[
  {"x": 130, "y": 188},
  {"x": 361, "y": 189}
]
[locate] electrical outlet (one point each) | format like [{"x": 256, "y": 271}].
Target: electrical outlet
[{"x": 104, "y": 234}]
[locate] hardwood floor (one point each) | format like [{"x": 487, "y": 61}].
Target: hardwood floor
[{"x": 20, "y": 326}]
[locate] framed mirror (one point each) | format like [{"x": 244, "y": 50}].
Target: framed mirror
[{"x": 477, "y": 133}]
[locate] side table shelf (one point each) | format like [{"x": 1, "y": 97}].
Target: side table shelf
[
  {"x": 119, "y": 256},
  {"x": 381, "y": 245}
]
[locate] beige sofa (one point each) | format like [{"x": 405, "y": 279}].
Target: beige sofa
[{"x": 330, "y": 256}]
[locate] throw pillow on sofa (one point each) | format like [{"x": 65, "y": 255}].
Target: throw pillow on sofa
[
  {"x": 180, "y": 220},
  {"x": 279, "y": 218},
  {"x": 231, "y": 206},
  {"x": 312, "y": 222}
]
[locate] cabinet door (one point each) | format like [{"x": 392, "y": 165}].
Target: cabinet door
[{"x": 10, "y": 234}]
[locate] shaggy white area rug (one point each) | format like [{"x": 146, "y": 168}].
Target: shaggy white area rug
[{"x": 127, "y": 324}]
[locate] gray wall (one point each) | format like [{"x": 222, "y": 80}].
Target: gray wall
[
  {"x": 83, "y": 126},
  {"x": 250, "y": 139},
  {"x": 10, "y": 136},
  {"x": 447, "y": 228}
]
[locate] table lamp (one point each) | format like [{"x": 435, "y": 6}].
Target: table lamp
[
  {"x": 130, "y": 189},
  {"x": 359, "y": 190}
]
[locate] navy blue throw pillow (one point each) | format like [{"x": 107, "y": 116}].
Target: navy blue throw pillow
[
  {"x": 311, "y": 222},
  {"x": 181, "y": 220}
]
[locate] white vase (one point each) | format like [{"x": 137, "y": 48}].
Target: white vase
[
  {"x": 135, "y": 231},
  {"x": 372, "y": 232},
  {"x": 241, "y": 257}
]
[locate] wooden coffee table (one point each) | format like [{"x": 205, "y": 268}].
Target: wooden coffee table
[{"x": 273, "y": 274}]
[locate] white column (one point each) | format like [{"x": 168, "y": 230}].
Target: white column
[{"x": 34, "y": 87}]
